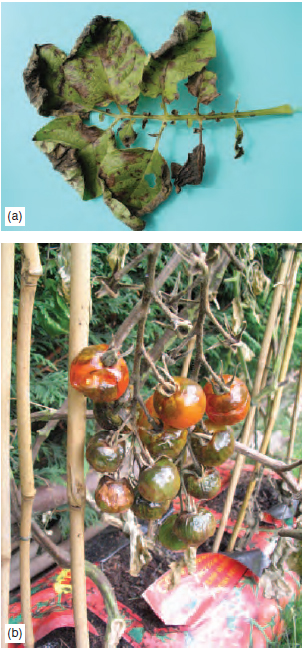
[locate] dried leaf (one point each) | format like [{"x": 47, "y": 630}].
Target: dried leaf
[
  {"x": 127, "y": 133},
  {"x": 187, "y": 51},
  {"x": 45, "y": 84},
  {"x": 247, "y": 352},
  {"x": 192, "y": 171},
  {"x": 203, "y": 85},
  {"x": 76, "y": 151},
  {"x": 126, "y": 188},
  {"x": 117, "y": 256},
  {"x": 106, "y": 64},
  {"x": 239, "y": 150},
  {"x": 238, "y": 316}
]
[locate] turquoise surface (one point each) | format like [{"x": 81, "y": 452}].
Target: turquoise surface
[{"x": 259, "y": 58}]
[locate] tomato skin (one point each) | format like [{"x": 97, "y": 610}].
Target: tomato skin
[
  {"x": 92, "y": 378},
  {"x": 205, "y": 487},
  {"x": 195, "y": 528},
  {"x": 159, "y": 483},
  {"x": 228, "y": 408},
  {"x": 216, "y": 451},
  {"x": 168, "y": 442},
  {"x": 113, "y": 496},
  {"x": 103, "y": 457},
  {"x": 184, "y": 408}
]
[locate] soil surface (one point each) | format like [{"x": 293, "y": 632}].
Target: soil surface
[{"x": 111, "y": 550}]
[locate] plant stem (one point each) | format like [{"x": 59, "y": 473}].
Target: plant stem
[
  {"x": 285, "y": 354},
  {"x": 30, "y": 273},
  {"x": 285, "y": 109},
  {"x": 7, "y": 292},
  {"x": 248, "y": 426},
  {"x": 79, "y": 328}
]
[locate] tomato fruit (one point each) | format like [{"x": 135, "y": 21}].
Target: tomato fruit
[
  {"x": 148, "y": 510},
  {"x": 113, "y": 496},
  {"x": 183, "y": 408},
  {"x": 228, "y": 408},
  {"x": 167, "y": 537},
  {"x": 92, "y": 378},
  {"x": 160, "y": 482},
  {"x": 205, "y": 487},
  {"x": 216, "y": 451},
  {"x": 110, "y": 416},
  {"x": 168, "y": 442},
  {"x": 195, "y": 528},
  {"x": 103, "y": 457}
]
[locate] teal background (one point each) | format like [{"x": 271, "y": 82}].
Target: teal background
[{"x": 259, "y": 49}]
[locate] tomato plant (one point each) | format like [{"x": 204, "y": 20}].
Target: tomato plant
[
  {"x": 227, "y": 408},
  {"x": 185, "y": 407},
  {"x": 93, "y": 378}
]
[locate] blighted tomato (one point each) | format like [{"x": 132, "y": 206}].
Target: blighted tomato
[
  {"x": 160, "y": 482},
  {"x": 113, "y": 496},
  {"x": 148, "y": 510},
  {"x": 205, "y": 487},
  {"x": 166, "y": 536},
  {"x": 184, "y": 408},
  {"x": 228, "y": 408},
  {"x": 92, "y": 378},
  {"x": 103, "y": 457},
  {"x": 110, "y": 416},
  {"x": 216, "y": 451},
  {"x": 195, "y": 528},
  {"x": 168, "y": 441}
]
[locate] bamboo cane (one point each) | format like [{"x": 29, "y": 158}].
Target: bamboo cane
[
  {"x": 7, "y": 292},
  {"x": 30, "y": 273},
  {"x": 286, "y": 343},
  {"x": 76, "y": 426},
  {"x": 248, "y": 426},
  {"x": 295, "y": 417}
]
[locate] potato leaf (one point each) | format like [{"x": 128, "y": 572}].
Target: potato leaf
[
  {"x": 127, "y": 133},
  {"x": 192, "y": 171},
  {"x": 203, "y": 85},
  {"x": 45, "y": 84},
  {"x": 188, "y": 50},
  {"x": 76, "y": 151},
  {"x": 127, "y": 191},
  {"x": 106, "y": 64}
]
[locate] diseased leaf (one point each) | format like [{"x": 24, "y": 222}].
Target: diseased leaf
[
  {"x": 127, "y": 133},
  {"x": 106, "y": 64},
  {"x": 125, "y": 185},
  {"x": 192, "y": 171},
  {"x": 187, "y": 51},
  {"x": 45, "y": 84},
  {"x": 203, "y": 85},
  {"x": 239, "y": 150},
  {"x": 76, "y": 151}
]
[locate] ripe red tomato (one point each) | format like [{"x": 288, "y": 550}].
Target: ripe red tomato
[
  {"x": 228, "y": 408},
  {"x": 92, "y": 378},
  {"x": 184, "y": 408},
  {"x": 143, "y": 421}
]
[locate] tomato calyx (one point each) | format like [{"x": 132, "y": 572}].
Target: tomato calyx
[{"x": 110, "y": 357}]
